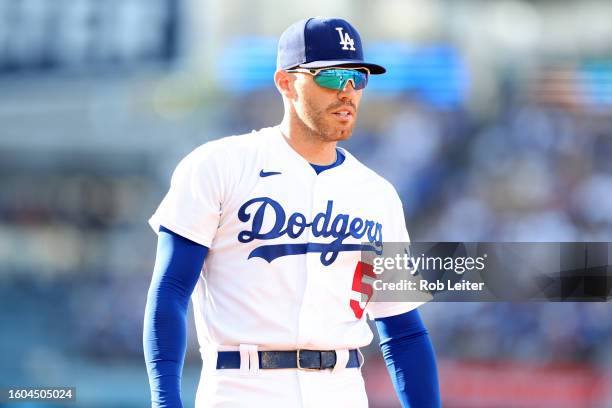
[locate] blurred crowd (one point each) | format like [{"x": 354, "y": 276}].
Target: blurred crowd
[{"x": 536, "y": 172}]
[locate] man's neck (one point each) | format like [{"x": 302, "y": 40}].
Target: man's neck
[{"x": 310, "y": 146}]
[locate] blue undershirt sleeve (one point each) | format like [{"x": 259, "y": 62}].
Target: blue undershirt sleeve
[
  {"x": 177, "y": 267},
  {"x": 410, "y": 359}
]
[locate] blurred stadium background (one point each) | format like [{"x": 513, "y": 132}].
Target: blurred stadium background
[{"x": 494, "y": 123}]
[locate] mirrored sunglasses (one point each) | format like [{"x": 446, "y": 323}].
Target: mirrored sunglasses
[{"x": 336, "y": 78}]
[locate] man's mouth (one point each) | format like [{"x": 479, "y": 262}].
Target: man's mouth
[{"x": 344, "y": 113}]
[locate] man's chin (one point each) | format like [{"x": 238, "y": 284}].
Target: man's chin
[
  {"x": 333, "y": 132},
  {"x": 338, "y": 135}
]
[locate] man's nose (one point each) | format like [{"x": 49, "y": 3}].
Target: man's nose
[{"x": 348, "y": 92}]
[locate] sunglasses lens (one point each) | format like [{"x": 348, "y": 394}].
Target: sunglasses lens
[{"x": 337, "y": 78}]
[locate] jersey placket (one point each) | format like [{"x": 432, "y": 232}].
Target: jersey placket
[{"x": 308, "y": 316}]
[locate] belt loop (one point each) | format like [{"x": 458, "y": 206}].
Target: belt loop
[
  {"x": 249, "y": 359},
  {"x": 342, "y": 357},
  {"x": 253, "y": 359},
  {"x": 244, "y": 359}
]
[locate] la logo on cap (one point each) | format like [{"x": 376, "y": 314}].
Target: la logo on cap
[{"x": 345, "y": 40}]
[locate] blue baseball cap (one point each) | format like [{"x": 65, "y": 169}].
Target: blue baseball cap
[{"x": 319, "y": 42}]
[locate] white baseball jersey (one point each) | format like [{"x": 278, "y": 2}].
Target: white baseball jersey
[{"x": 284, "y": 243}]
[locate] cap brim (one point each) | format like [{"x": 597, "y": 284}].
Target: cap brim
[{"x": 374, "y": 68}]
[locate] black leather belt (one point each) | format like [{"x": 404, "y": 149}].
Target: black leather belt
[{"x": 300, "y": 359}]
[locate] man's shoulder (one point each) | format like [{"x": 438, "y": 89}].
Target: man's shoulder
[{"x": 234, "y": 150}]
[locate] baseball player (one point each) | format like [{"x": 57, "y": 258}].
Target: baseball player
[{"x": 264, "y": 233}]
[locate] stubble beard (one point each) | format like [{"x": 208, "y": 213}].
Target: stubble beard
[{"x": 318, "y": 124}]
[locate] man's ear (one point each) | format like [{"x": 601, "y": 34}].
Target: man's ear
[{"x": 284, "y": 83}]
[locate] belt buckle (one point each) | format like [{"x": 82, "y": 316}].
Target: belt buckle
[{"x": 299, "y": 366}]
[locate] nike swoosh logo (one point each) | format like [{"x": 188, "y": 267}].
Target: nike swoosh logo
[{"x": 268, "y": 173}]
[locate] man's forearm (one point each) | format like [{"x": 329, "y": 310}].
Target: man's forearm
[
  {"x": 164, "y": 344},
  {"x": 177, "y": 268},
  {"x": 410, "y": 360}
]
